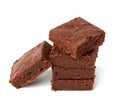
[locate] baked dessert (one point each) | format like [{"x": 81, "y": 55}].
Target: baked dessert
[
  {"x": 72, "y": 73},
  {"x": 30, "y": 65},
  {"x": 85, "y": 84},
  {"x": 59, "y": 58},
  {"x": 77, "y": 37}
]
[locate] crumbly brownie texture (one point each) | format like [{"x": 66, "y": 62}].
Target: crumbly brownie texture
[
  {"x": 30, "y": 65},
  {"x": 85, "y": 84},
  {"x": 59, "y": 58},
  {"x": 77, "y": 37},
  {"x": 72, "y": 73}
]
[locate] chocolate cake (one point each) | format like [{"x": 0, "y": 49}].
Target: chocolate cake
[
  {"x": 77, "y": 37},
  {"x": 72, "y": 73},
  {"x": 30, "y": 65},
  {"x": 61, "y": 59},
  {"x": 85, "y": 84},
  {"x": 72, "y": 57}
]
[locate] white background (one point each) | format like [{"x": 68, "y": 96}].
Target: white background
[{"x": 25, "y": 23}]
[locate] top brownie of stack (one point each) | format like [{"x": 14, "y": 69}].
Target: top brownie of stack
[{"x": 77, "y": 37}]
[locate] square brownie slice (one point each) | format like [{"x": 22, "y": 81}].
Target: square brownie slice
[
  {"x": 77, "y": 37},
  {"x": 72, "y": 73},
  {"x": 59, "y": 58},
  {"x": 84, "y": 84},
  {"x": 30, "y": 65}
]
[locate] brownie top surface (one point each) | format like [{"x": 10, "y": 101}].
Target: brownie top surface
[
  {"x": 75, "y": 32},
  {"x": 30, "y": 58}
]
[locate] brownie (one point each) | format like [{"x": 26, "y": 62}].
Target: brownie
[
  {"x": 72, "y": 73},
  {"x": 30, "y": 65},
  {"x": 61, "y": 59},
  {"x": 77, "y": 37},
  {"x": 85, "y": 84}
]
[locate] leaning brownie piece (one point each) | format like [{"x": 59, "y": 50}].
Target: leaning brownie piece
[
  {"x": 61, "y": 59},
  {"x": 30, "y": 65},
  {"x": 77, "y": 37},
  {"x": 85, "y": 84},
  {"x": 72, "y": 73}
]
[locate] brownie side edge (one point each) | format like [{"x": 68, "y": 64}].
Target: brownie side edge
[
  {"x": 72, "y": 73},
  {"x": 73, "y": 84},
  {"x": 61, "y": 59}
]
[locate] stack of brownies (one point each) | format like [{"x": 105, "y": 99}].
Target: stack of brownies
[{"x": 74, "y": 54}]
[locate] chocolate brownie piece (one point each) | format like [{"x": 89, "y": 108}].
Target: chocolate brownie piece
[
  {"x": 85, "y": 84},
  {"x": 72, "y": 73},
  {"x": 61, "y": 59},
  {"x": 77, "y": 37},
  {"x": 30, "y": 65}
]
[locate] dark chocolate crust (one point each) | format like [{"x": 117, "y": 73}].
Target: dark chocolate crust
[
  {"x": 61, "y": 59},
  {"x": 85, "y": 84},
  {"x": 77, "y": 37},
  {"x": 30, "y": 65},
  {"x": 72, "y": 73}
]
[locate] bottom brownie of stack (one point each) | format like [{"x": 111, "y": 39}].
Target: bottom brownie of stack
[
  {"x": 83, "y": 84},
  {"x": 72, "y": 78},
  {"x": 72, "y": 74}
]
